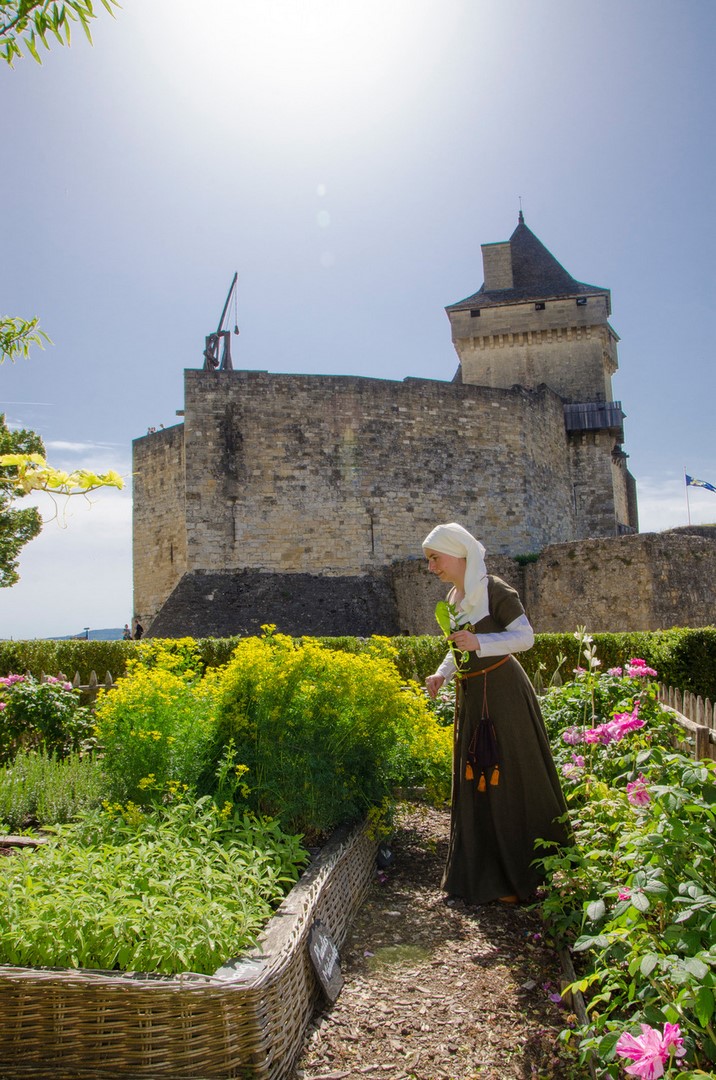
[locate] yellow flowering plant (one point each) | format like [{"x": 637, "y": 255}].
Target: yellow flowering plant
[
  {"x": 325, "y": 735},
  {"x": 155, "y": 727}
]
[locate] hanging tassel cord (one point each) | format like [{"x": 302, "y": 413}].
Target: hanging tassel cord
[{"x": 482, "y": 755}]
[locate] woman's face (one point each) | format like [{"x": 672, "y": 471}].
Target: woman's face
[{"x": 446, "y": 567}]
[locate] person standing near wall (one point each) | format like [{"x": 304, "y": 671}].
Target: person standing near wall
[{"x": 505, "y": 792}]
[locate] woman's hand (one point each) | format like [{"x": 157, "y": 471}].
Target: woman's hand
[
  {"x": 465, "y": 641},
  {"x": 433, "y": 684}
]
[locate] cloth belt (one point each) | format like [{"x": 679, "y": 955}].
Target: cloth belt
[{"x": 472, "y": 674}]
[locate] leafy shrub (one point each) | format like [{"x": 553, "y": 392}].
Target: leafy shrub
[
  {"x": 636, "y": 897},
  {"x": 38, "y": 789},
  {"x": 684, "y": 657},
  {"x": 418, "y": 657},
  {"x": 66, "y": 657},
  {"x": 443, "y": 705},
  {"x": 325, "y": 734},
  {"x": 45, "y": 715},
  {"x": 156, "y": 726},
  {"x": 183, "y": 888}
]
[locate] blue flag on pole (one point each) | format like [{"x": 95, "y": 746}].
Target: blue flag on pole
[{"x": 691, "y": 481}]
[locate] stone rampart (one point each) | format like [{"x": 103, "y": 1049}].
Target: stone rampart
[{"x": 646, "y": 581}]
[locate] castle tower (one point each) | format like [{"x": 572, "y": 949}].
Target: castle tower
[
  {"x": 292, "y": 499},
  {"x": 531, "y": 323}
]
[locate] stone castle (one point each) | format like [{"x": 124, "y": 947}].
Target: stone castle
[{"x": 301, "y": 500}]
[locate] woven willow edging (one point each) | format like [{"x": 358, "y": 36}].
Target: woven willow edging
[{"x": 247, "y": 1021}]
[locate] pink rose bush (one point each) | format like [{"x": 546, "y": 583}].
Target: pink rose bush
[
  {"x": 638, "y": 669},
  {"x": 42, "y": 714},
  {"x": 651, "y": 1050},
  {"x": 612, "y": 731},
  {"x": 635, "y": 897},
  {"x": 637, "y": 792}
]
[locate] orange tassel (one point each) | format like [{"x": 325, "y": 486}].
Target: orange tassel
[
  {"x": 482, "y": 786},
  {"x": 495, "y": 778},
  {"x": 468, "y": 771}
]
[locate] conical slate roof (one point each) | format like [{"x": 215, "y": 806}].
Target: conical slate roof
[{"x": 536, "y": 275}]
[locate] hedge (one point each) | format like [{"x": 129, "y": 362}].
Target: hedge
[{"x": 684, "y": 657}]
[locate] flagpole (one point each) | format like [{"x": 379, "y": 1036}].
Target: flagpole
[{"x": 688, "y": 508}]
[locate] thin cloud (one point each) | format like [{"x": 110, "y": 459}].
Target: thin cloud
[{"x": 78, "y": 447}]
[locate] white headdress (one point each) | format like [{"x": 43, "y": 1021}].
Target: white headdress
[{"x": 453, "y": 539}]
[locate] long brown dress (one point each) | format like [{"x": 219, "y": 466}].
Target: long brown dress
[{"x": 493, "y": 831}]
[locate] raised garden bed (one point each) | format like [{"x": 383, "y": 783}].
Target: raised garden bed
[{"x": 247, "y": 1021}]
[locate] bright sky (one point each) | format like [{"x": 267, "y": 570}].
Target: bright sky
[{"x": 348, "y": 158}]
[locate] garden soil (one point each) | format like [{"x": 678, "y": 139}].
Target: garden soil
[{"x": 437, "y": 990}]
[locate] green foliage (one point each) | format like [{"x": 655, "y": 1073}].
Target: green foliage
[
  {"x": 689, "y": 658},
  {"x": 326, "y": 734},
  {"x": 39, "y": 789},
  {"x": 525, "y": 560},
  {"x": 635, "y": 896},
  {"x": 183, "y": 888},
  {"x": 23, "y": 469},
  {"x": 17, "y": 527},
  {"x": 685, "y": 658},
  {"x": 46, "y": 715},
  {"x": 156, "y": 727},
  {"x": 45, "y": 656},
  {"x": 17, "y": 336},
  {"x": 418, "y": 657},
  {"x": 30, "y": 23},
  {"x": 443, "y": 704}
]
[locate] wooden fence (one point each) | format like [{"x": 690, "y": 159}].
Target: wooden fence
[
  {"x": 88, "y": 690},
  {"x": 696, "y": 716}
]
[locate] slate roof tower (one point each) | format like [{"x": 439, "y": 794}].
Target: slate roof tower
[{"x": 530, "y": 324}]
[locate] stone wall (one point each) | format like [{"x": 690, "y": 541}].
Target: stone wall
[
  {"x": 650, "y": 581},
  {"x": 596, "y": 501},
  {"x": 158, "y": 527},
  {"x": 341, "y": 475}
]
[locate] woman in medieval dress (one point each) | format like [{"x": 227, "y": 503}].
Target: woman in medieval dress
[{"x": 505, "y": 792}]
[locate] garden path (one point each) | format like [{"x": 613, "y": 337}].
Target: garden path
[{"x": 436, "y": 990}]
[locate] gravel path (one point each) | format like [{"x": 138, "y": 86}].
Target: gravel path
[{"x": 436, "y": 990}]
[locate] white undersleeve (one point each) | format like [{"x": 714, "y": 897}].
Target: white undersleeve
[{"x": 518, "y": 636}]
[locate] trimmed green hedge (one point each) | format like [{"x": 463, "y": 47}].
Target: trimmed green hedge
[{"x": 684, "y": 658}]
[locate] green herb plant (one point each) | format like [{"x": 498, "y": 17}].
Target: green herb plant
[
  {"x": 180, "y": 888},
  {"x": 37, "y": 788}
]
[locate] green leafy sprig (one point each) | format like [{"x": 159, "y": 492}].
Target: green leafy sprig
[{"x": 447, "y": 619}]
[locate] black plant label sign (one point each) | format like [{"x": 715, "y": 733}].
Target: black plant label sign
[{"x": 324, "y": 956}]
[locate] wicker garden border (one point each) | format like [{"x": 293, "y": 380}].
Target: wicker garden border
[{"x": 247, "y": 1021}]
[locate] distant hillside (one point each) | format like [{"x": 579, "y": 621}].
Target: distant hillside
[{"x": 111, "y": 634}]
